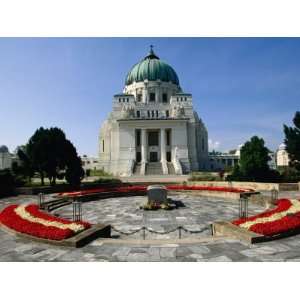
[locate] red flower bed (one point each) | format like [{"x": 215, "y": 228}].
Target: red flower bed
[
  {"x": 207, "y": 188},
  {"x": 85, "y": 192},
  {"x": 281, "y": 205},
  {"x": 142, "y": 188},
  {"x": 128, "y": 189},
  {"x": 11, "y": 219},
  {"x": 284, "y": 224},
  {"x": 122, "y": 189}
]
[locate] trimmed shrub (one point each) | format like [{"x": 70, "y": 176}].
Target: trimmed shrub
[{"x": 7, "y": 183}]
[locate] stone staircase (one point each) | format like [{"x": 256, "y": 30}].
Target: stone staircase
[
  {"x": 171, "y": 169},
  {"x": 137, "y": 169},
  {"x": 154, "y": 168}
]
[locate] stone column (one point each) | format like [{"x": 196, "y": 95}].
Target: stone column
[
  {"x": 144, "y": 145},
  {"x": 163, "y": 159},
  {"x": 158, "y": 95},
  {"x": 145, "y": 94},
  {"x": 163, "y": 145}
]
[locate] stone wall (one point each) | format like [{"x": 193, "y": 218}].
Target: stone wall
[{"x": 214, "y": 194}]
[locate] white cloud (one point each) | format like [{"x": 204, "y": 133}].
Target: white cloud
[{"x": 213, "y": 145}]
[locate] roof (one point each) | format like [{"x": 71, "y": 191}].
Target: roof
[
  {"x": 123, "y": 95},
  {"x": 151, "y": 68}
]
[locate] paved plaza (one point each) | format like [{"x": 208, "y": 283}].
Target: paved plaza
[
  {"x": 196, "y": 213},
  {"x": 124, "y": 213}
]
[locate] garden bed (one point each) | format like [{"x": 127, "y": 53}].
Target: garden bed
[
  {"x": 142, "y": 189},
  {"x": 29, "y": 220},
  {"x": 281, "y": 221},
  {"x": 285, "y": 217},
  {"x": 60, "y": 188}
]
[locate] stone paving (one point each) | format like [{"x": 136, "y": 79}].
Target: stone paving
[
  {"x": 124, "y": 214},
  {"x": 17, "y": 249}
]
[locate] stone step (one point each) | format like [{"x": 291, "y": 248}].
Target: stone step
[
  {"x": 154, "y": 168},
  {"x": 171, "y": 169},
  {"x": 137, "y": 169}
]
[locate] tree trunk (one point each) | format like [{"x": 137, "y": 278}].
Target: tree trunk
[
  {"x": 42, "y": 178},
  {"x": 52, "y": 180}
]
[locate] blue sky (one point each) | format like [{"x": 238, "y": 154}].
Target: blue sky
[{"x": 241, "y": 86}]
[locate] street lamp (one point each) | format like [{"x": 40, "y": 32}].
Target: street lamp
[
  {"x": 41, "y": 198},
  {"x": 274, "y": 194},
  {"x": 77, "y": 210},
  {"x": 243, "y": 206}
]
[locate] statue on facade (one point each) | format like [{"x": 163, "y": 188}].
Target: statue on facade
[
  {"x": 178, "y": 111},
  {"x": 127, "y": 112}
]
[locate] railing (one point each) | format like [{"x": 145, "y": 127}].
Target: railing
[
  {"x": 177, "y": 166},
  {"x": 176, "y": 163},
  {"x": 146, "y": 229},
  {"x": 164, "y": 167}
]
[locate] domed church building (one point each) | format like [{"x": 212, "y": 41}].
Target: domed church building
[{"x": 153, "y": 128}]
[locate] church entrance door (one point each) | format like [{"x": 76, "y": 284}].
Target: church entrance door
[
  {"x": 153, "y": 156},
  {"x": 153, "y": 145}
]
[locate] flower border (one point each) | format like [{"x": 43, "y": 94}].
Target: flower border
[
  {"x": 28, "y": 219},
  {"x": 143, "y": 188},
  {"x": 283, "y": 218}
]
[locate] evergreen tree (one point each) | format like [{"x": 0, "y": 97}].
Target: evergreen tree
[
  {"x": 253, "y": 164},
  {"x": 51, "y": 154},
  {"x": 292, "y": 142},
  {"x": 23, "y": 170},
  {"x": 74, "y": 171}
]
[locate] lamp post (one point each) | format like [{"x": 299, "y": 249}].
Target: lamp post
[
  {"x": 243, "y": 206},
  {"x": 77, "y": 210},
  {"x": 41, "y": 200},
  {"x": 274, "y": 194}
]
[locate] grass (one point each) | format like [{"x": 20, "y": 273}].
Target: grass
[
  {"x": 204, "y": 176},
  {"x": 106, "y": 179},
  {"x": 100, "y": 173},
  {"x": 38, "y": 183}
]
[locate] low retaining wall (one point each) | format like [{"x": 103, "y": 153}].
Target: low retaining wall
[
  {"x": 77, "y": 241},
  {"x": 257, "y": 186},
  {"x": 227, "y": 229},
  {"x": 215, "y": 194},
  {"x": 223, "y": 229}
]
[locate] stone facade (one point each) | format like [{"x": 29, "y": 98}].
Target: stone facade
[
  {"x": 89, "y": 163},
  {"x": 282, "y": 156},
  {"x": 153, "y": 126},
  {"x": 221, "y": 161},
  {"x": 6, "y": 158}
]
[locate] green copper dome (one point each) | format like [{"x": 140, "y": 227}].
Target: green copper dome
[{"x": 152, "y": 68}]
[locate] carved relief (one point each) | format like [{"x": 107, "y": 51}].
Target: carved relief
[
  {"x": 127, "y": 111},
  {"x": 178, "y": 111}
]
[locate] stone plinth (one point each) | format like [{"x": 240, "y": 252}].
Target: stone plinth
[{"x": 157, "y": 193}]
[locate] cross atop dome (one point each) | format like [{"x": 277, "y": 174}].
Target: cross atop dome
[
  {"x": 151, "y": 54},
  {"x": 151, "y": 49}
]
